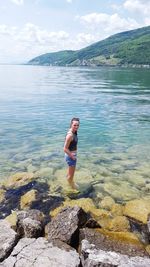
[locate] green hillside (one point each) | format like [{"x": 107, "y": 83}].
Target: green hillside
[{"x": 130, "y": 47}]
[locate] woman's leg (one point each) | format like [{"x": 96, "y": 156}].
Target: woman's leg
[{"x": 70, "y": 175}]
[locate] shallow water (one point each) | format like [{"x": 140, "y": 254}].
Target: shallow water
[{"x": 36, "y": 105}]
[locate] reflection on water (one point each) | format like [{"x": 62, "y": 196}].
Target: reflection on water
[{"x": 36, "y": 105}]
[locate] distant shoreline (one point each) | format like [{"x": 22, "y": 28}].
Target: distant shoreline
[{"x": 138, "y": 66}]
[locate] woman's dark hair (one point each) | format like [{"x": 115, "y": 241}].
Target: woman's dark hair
[{"x": 74, "y": 119}]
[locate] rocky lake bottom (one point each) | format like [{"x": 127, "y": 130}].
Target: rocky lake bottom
[{"x": 115, "y": 230}]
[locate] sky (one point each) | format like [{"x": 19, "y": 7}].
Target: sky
[{"x": 29, "y": 28}]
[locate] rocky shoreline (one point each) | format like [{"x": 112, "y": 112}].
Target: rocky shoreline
[{"x": 69, "y": 229}]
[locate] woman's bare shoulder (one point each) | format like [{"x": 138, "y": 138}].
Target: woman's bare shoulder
[{"x": 69, "y": 135}]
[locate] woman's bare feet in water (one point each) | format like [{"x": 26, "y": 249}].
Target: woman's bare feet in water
[{"x": 73, "y": 185}]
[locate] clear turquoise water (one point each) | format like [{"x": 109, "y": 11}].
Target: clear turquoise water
[{"x": 37, "y": 103}]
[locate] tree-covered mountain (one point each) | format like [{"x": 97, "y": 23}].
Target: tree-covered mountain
[{"x": 125, "y": 48}]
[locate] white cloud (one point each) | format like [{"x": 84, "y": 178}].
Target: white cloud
[
  {"x": 18, "y": 2},
  {"x": 104, "y": 24},
  {"x": 138, "y": 6},
  {"x": 30, "y": 41},
  {"x": 147, "y": 21},
  {"x": 69, "y": 1},
  {"x": 116, "y": 7},
  {"x": 7, "y": 31},
  {"x": 85, "y": 38},
  {"x": 81, "y": 40},
  {"x": 32, "y": 34}
]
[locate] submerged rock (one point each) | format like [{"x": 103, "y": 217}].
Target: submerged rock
[
  {"x": 84, "y": 190},
  {"x": 2, "y": 195},
  {"x": 99, "y": 213},
  {"x": 45, "y": 172},
  {"x": 12, "y": 198},
  {"x": 40, "y": 200},
  {"x": 119, "y": 224},
  {"x": 138, "y": 209},
  {"x": 121, "y": 191},
  {"x": 27, "y": 198},
  {"x": 86, "y": 204},
  {"x": 18, "y": 179},
  {"x": 117, "y": 209},
  {"x": 107, "y": 203}
]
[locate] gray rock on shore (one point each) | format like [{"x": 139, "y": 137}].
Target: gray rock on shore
[
  {"x": 65, "y": 226},
  {"x": 40, "y": 253},
  {"x": 30, "y": 223},
  {"x": 92, "y": 257},
  {"x": 71, "y": 227},
  {"x": 8, "y": 239}
]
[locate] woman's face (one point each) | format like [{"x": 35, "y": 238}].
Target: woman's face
[{"x": 75, "y": 126}]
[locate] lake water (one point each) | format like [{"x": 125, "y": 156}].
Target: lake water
[{"x": 37, "y": 103}]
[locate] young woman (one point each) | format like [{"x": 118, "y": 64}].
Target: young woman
[{"x": 70, "y": 149}]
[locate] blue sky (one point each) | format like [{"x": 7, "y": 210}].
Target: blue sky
[{"x": 29, "y": 28}]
